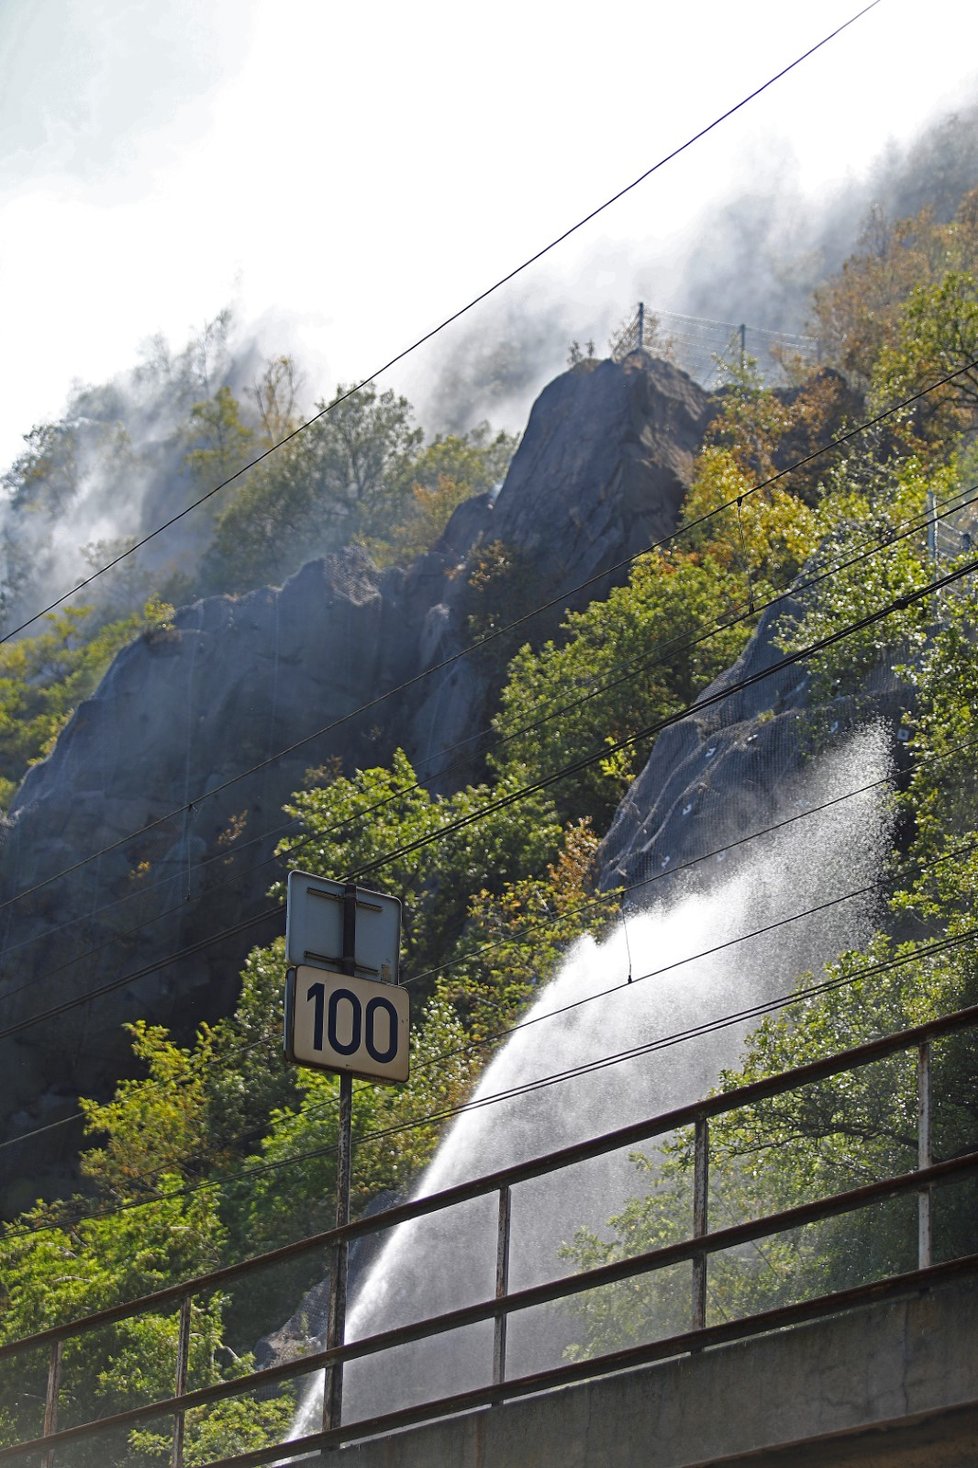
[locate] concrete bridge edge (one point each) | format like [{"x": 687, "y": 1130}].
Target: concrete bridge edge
[{"x": 892, "y": 1385}]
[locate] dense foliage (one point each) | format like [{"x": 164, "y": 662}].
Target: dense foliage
[
  {"x": 861, "y": 1126},
  {"x": 184, "y": 1164},
  {"x": 44, "y": 676},
  {"x": 142, "y": 449}
]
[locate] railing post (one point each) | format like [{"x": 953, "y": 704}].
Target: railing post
[
  {"x": 701, "y": 1181},
  {"x": 924, "y": 1156},
  {"x": 180, "y": 1380},
  {"x": 502, "y": 1285},
  {"x": 51, "y": 1399}
]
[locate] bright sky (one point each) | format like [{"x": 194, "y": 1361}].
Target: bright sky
[{"x": 347, "y": 175}]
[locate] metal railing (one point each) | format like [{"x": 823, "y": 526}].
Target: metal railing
[{"x": 696, "y": 1250}]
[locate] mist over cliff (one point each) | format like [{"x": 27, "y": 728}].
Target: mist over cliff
[
  {"x": 126, "y": 454},
  {"x": 199, "y": 712},
  {"x": 139, "y": 851}
]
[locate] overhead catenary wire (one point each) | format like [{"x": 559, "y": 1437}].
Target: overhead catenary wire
[
  {"x": 966, "y": 848},
  {"x": 617, "y": 893},
  {"x": 595, "y": 902},
  {"x": 190, "y": 804},
  {"x": 938, "y": 946},
  {"x": 511, "y": 797},
  {"x": 602, "y": 573},
  {"x": 707, "y": 700},
  {"x": 460, "y": 312},
  {"x": 198, "y": 800},
  {"x": 598, "y": 901},
  {"x": 918, "y": 952},
  {"x": 899, "y": 602},
  {"x": 951, "y": 505}
]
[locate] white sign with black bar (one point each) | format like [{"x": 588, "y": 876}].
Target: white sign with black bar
[
  {"x": 314, "y": 927},
  {"x": 340, "y": 1023}
]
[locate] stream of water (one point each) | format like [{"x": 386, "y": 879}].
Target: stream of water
[{"x": 448, "y": 1260}]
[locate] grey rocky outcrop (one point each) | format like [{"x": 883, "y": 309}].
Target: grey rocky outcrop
[
  {"x": 600, "y": 475},
  {"x": 728, "y": 768},
  {"x": 152, "y": 825}
]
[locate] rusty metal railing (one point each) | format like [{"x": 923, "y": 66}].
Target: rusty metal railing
[{"x": 696, "y": 1251}]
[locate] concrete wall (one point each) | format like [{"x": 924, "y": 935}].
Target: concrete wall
[{"x": 891, "y": 1384}]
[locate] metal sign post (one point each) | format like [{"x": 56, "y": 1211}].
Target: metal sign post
[
  {"x": 336, "y": 1323},
  {"x": 343, "y": 1013}
]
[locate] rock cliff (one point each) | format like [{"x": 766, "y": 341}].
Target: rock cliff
[{"x": 151, "y": 826}]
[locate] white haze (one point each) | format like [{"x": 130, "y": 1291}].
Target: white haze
[
  {"x": 347, "y": 176},
  {"x": 448, "y": 1261},
  {"x": 756, "y": 259}
]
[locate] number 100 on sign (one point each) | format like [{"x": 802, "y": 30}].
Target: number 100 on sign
[{"x": 340, "y": 1023}]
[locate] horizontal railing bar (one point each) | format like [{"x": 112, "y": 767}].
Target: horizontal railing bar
[
  {"x": 530, "y": 1298},
  {"x": 712, "y": 1335},
  {"x": 516, "y": 1173},
  {"x": 655, "y": 1259}
]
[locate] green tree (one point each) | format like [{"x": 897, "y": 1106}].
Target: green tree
[
  {"x": 514, "y": 939},
  {"x": 740, "y": 522},
  {"x": 355, "y": 821},
  {"x": 340, "y": 480},
  {"x": 621, "y": 664},
  {"x": 856, "y": 314},
  {"x": 426, "y": 513},
  {"x": 54, "y": 1270},
  {"x": 936, "y": 334},
  {"x": 46, "y": 475},
  {"x": 433, "y": 483},
  {"x": 155, "y": 1123},
  {"x": 851, "y": 521},
  {"x": 44, "y": 677},
  {"x": 861, "y": 1126},
  {"x": 249, "y": 1079},
  {"x": 219, "y": 440}
]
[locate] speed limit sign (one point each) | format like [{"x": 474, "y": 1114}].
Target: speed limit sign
[{"x": 341, "y": 1023}]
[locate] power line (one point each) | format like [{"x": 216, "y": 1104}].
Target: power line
[
  {"x": 504, "y": 1034},
  {"x": 456, "y": 315},
  {"x": 618, "y": 893},
  {"x": 942, "y": 945},
  {"x": 132, "y": 978},
  {"x": 707, "y": 1027},
  {"x": 197, "y": 800},
  {"x": 512, "y": 797},
  {"x": 901, "y": 603},
  {"x": 598, "y": 901}
]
